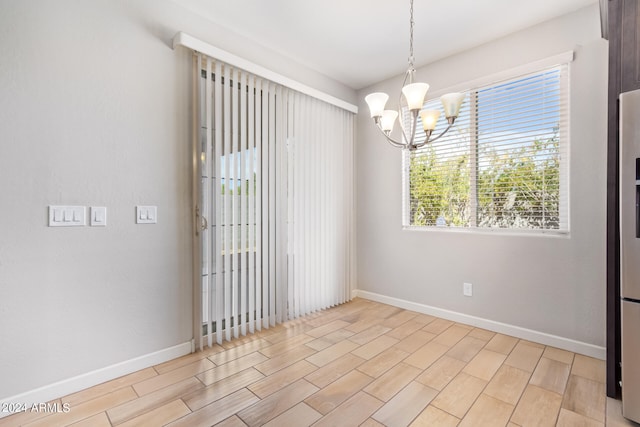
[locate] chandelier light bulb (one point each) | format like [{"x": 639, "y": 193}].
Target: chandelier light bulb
[
  {"x": 376, "y": 102},
  {"x": 429, "y": 119},
  {"x": 414, "y": 93},
  {"x": 387, "y": 120},
  {"x": 451, "y": 103}
]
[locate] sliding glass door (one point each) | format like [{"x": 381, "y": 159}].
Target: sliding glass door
[{"x": 273, "y": 178}]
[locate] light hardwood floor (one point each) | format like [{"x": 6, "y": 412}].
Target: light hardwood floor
[{"x": 362, "y": 363}]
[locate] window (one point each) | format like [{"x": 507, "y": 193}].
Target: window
[{"x": 503, "y": 165}]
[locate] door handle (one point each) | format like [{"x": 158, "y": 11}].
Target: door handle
[{"x": 201, "y": 221}]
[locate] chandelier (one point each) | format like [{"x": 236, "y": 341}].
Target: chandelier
[{"x": 414, "y": 94}]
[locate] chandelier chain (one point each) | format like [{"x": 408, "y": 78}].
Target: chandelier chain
[{"x": 411, "y": 22}]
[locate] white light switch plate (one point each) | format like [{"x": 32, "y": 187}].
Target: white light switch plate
[
  {"x": 146, "y": 214},
  {"x": 67, "y": 216},
  {"x": 98, "y": 216}
]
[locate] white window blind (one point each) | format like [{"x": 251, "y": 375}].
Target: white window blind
[
  {"x": 503, "y": 165},
  {"x": 274, "y": 193}
]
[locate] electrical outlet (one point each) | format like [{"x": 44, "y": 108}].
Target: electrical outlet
[{"x": 467, "y": 289}]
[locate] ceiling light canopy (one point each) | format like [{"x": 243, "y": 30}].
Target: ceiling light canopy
[{"x": 413, "y": 95}]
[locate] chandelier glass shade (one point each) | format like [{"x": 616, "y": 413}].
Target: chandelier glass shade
[{"x": 412, "y": 98}]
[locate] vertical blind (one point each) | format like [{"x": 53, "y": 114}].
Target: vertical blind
[
  {"x": 504, "y": 164},
  {"x": 274, "y": 197}
]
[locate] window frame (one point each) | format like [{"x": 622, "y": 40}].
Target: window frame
[{"x": 472, "y": 87}]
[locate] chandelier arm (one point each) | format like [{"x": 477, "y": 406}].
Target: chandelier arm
[
  {"x": 395, "y": 143},
  {"x": 414, "y": 125},
  {"x": 390, "y": 140},
  {"x": 429, "y": 140},
  {"x": 404, "y": 134}
]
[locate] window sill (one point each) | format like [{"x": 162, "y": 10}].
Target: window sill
[{"x": 490, "y": 231}]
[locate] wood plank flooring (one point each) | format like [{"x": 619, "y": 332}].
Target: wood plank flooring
[{"x": 361, "y": 363}]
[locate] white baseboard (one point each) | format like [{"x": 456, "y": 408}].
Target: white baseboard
[
  {"x": 89, "y": 379},
  {"x": 503, "y": 328}
]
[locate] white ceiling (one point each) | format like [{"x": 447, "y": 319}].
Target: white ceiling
[{"x": 361, "y": 42}]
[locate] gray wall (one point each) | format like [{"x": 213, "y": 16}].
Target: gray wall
[
  {"x": 554, "y": 285},
  {"x": 95, "y": 110}
]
